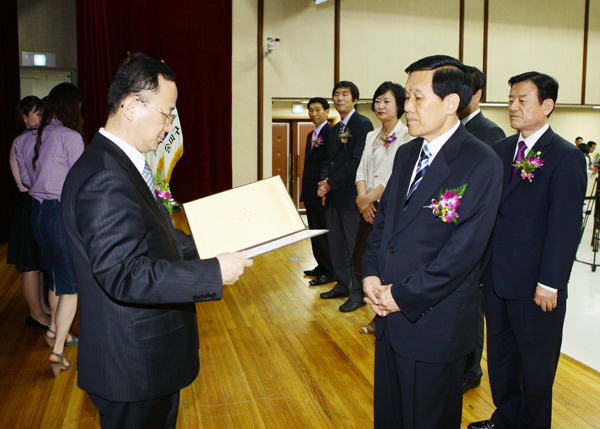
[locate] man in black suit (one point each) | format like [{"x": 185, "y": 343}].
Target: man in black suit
[
  {"x": 531, "y": 252},
  {"x": 138, "y": 277},
  {"x": 318, "y": 110},
  {"x": 423, "y": 263},
  {"x": 344, "y": 149},
  {"x": 488, "y": 132}
]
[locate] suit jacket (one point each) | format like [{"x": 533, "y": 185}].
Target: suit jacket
[
  {"x": 434, "y": 267},
  {"x": 539, "y": 222},
  {"x": 313, "y": 164},
  {"x": 484, "y": 129},
  {"x": 138, "y": 279},
  {"x": 341, "y": 162}
]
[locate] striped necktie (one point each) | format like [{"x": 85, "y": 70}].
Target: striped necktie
[
  {"x": 421, "y": 169},
  {"x": 518, "y": 158},
  {"x": 147, "y": 175}
]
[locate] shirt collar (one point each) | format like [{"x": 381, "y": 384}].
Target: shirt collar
[
  {"x": 347, "y": 118},
  {"x": 532, "y": 139},
  {"x": 471, "y": 116},
  {"x": 320, "y": 127},
  {"x": 436, "y": 144},
  {"x": 132, "y": 153}
]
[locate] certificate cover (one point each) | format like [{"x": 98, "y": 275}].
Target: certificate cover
[{"x": 258, "y": 217}]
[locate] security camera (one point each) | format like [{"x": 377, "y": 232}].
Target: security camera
[{"x": 272, "y": 45}]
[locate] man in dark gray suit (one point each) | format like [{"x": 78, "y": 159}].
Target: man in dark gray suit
[
  {"x": 138, "y": 277},
  {"x": 488, "y": 132}
]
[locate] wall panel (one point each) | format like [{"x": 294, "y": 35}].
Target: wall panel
[
  {"x": 473, "y": 33},
  {"x": 541, "y": 35},
  {"x": 379, "y": 39},
  {"x": 592, "y": 81}
]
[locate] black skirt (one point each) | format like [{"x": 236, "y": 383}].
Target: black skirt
[{"x": 23, "y": 251}]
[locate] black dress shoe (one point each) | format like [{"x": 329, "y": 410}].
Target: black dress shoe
[
  {"x": 333, "y": 294},
  {"x": 312, "y": 273},
  {"x": 351, "y": 305},
  {"x": 485, "y": 424},
  {"x": 32, "y": 323},
  {"x": 321, "y": 280},
  {"x": 470, "y": 384}
]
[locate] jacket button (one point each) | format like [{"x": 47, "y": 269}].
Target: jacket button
[
  {"x": 391, "y": 250},
  {"x": 500, "y": 214}
]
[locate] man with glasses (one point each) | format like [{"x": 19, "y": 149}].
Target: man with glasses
[{"x": 138, "y": 276}]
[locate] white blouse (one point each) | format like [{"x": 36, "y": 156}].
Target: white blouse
[{"x": 376, "y": 163}]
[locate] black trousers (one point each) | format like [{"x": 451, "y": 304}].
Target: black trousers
[
  {"x": 315, "y": 213},
  {"x": 159, "y": 413},
  {"x": 473, "y": 367},
  {"x": 343, "y": 226},
  {"x": 416, "y": 395},
  {"x": 523, "y": 348}
]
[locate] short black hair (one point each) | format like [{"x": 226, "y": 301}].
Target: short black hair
[
  {"x": 579, "y": 138},
  {"x": 319, "y": 100},
  {"x": 547, "y": 86},
  {"x": 137, "y": 75},
  {"x": 347, "y": 84},
  {"x": 398, "y": 92},
  {"x": 584, "y": 148},
  {"x": 590, "y": 143},
  {"x": 477, "y": 80},
  {"x": 450, "y": 77}
]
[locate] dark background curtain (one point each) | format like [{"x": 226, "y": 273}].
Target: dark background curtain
[
  {"x": 194, "y": 39},
  {"x": 9, "y": 97}
]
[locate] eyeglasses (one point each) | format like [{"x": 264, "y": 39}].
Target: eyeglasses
[{"x": 170, "y": 118}]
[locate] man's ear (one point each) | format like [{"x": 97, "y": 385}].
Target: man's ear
[
  {"x": 129, "y": 106},
  {"x": 547, "y": 106},
  {"x": 478, "y": 95},
  {"x": 451, "y": 103}
]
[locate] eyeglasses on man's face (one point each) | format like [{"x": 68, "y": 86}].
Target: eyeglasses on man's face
[{"x": 170, "y": 118}]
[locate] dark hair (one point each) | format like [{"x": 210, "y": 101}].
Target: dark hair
[
  {"x": 547, "y": 86},
  {"x": 579, "y": 138},
  {"x": 450, "y": 77},
  {"x": 398, "y": 92},
  {"x": 590, "y": 143},
  {"x": 319, "y": 100},
  {"x": 138, "y": 75},
  {"x": 347, "y": 84},
  {"x": 584, "y": 148},
  {"x": 27, "y": 105},
  {"x": 477, "y": 80},
  {"x": 63, "y": 103}
]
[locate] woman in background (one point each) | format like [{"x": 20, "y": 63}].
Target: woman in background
[
  {"x": 23, "y": 251},
  {"x": 375, "y": 167},
  {"x": 45, "y": 156}
]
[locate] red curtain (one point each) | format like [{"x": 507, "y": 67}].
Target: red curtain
[
  {"x": 9, "y": 95},
  {"x": 194, "y": 39}
]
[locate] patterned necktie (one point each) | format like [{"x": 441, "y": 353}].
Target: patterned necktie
[
  {"x": 520, "y": 156},
  {"x": 314, "y": 138},
  {"x": 147, "y": 175},
  {"x": 421, "y": 169}
]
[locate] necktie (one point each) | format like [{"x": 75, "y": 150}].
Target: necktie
[
  {"x": 147, "y": 175},
  {"x": 520, "y": 156},
  {"x": 421, "y": 169},
  {"x": 314, "y": 138}
]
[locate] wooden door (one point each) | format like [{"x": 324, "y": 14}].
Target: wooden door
[
  {"x": 281, "y": 148},
  {"x": 302, "y": 130}
]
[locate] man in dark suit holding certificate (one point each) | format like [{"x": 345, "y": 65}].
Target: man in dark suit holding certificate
[
  {"x": 531, "y": 252},
  {"x": 422, "y": 267},
  {"x": 343, "y": 152},
  {"x": 138, "y": 277},
  {"x": 318, "y": 110}
]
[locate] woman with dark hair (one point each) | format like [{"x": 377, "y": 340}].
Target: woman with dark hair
[
  {"x": 44, "y": 156},
  {"x": 23, "y": 251},
  {"x": 375, "y": 167}
]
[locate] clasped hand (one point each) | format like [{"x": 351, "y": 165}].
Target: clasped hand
[
  {"x": 379, "y": 296},
  {"x": 546, "y": 299},
  {"x": 323, "y": 188}
]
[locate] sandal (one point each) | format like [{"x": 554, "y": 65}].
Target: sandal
[
  {"x": 52, "y": 340},
  {"x": 59, "y": 366},
  {"x": 369, "y": 328}
]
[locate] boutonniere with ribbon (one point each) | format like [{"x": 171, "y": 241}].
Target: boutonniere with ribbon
[
  {"x": 387, "y": 141},
  {"x": 344, "y": 136},
  {"x": 447, "y": 207},
  {"x": 318, "y": 141},
  {"x": 529, "y": 164},
  {"x": 163, "y": 191}
]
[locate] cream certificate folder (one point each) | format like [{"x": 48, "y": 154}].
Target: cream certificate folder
[{"x": 258, "y": 217}]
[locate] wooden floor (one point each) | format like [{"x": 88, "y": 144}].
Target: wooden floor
[{"x": 273, "y": 355}]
